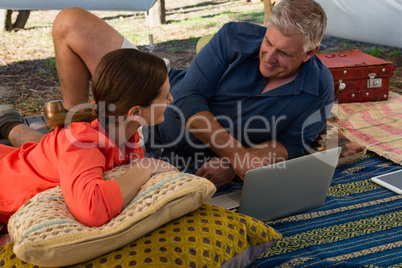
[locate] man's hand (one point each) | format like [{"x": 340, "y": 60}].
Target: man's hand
[
  {"x": 243, "y": 163},
  {"x": 237, "y": 159},
  {"x": 218, "y": 171}
]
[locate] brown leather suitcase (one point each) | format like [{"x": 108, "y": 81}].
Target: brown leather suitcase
[{"x": 358, "y": 77}]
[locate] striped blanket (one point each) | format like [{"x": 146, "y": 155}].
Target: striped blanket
[
  {"x": 360, "y": 224},
  {"x": 377, "y": 125}
]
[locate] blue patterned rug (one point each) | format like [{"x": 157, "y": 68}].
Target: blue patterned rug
[{"x": 360, "y": 224}]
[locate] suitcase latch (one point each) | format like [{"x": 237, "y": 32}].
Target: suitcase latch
[
  {"x": 373, "y": 82},
  {"x": 342, "y": 85}
]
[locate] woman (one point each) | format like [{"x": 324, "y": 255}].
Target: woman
[{"x": 130, "y": 89}]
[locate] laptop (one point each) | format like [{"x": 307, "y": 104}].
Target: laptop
[{"x": 283, "y": 189}]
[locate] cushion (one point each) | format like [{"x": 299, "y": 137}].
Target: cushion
[
  {"x": 45, "y": 233},
  {"x": 202, "y": 42},
  {"x": 207, "y": 237},
  {"x": 332, "y": 136}
]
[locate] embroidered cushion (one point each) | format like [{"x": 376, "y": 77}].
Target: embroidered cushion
[
  {"x": 45, "y": 233},
  {"x": 207, "y": 237}
]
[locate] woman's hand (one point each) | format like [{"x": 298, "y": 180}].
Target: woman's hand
[{"x": 141, "y": 170}]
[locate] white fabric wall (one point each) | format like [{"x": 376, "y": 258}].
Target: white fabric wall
[
  {"x": 370, "y": 21},
  {"x": 111, "y": 5}
]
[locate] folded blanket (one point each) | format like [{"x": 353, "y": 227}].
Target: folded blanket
[{"x": 376, "y": 125}]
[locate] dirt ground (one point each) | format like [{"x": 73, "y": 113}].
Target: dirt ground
[{"x": 28, "y": 76}]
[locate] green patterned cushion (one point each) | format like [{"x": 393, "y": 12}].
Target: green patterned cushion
[
  {"x": 207, "y": 237},
  {"x": 45, "y": 233}
]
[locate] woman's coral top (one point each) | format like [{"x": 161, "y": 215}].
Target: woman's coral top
[{"x": 74, "y": 157}]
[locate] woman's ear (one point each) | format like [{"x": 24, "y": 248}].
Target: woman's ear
[{"x": 134, "y": 112}]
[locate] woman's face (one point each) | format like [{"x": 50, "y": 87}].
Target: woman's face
[{"x": 154, "y": 114}]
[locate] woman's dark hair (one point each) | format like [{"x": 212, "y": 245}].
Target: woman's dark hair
[{"x": 123, "y": 78}]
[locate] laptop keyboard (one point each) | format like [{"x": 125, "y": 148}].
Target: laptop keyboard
[{"x": 234, "y": 209}]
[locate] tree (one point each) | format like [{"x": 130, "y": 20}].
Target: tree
[{"x": 7, "y": 22}]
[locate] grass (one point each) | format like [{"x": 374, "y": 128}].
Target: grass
[
  {"x": 34, "y": 105},
  {"x": 192, "y": 19},
  {"x": 177, "y": 46},
  {"x": 253, "y": 17},
  {"x": 27, "y": 56},
  {"x": 30, "y": 51},
  {"x": 185, "y": 20},
  {"x": 47, "y": 68}
]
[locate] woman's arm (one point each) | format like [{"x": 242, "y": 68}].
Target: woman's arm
[
  {"x": 91, "y": 199},
  {"x": 140, "y": 172}
]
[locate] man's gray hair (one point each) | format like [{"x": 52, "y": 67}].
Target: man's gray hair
[{"x": 305, "y": 18}]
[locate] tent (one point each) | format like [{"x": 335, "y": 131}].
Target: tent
[
  {"x": 370, "y": 21},
  {"x": 24, "y": 8},
  {"x": 116, "y": 5}
]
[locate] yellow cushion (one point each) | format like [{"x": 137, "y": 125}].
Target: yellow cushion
[
  {"x": 207, "y": 237},
  {"x": 202, "y": 42},
  {"x": 45, "y": 233}
]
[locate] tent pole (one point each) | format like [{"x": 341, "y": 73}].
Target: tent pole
[{"x": 150, "y": 35}]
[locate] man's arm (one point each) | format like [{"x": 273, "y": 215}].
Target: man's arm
[
  {"x": 220, "y": 172},
  {"x": 273, "y": 151},
  {"x": 234, "y": 159},
  {"x": 207, "y": 129}
]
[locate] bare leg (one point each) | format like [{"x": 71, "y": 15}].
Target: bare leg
[
  {"x": 80, "y": 40},
  {"x": 22, "y": 133}
]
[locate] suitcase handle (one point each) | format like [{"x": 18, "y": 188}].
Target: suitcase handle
[{"x": 333, "y": 55}]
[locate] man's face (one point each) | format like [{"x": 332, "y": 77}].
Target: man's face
[{"x": 281, "y": 56}]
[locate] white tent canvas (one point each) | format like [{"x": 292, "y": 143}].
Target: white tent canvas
[
  {"x": 115, "y": 5},
  {"x": 370, "y": 21}
]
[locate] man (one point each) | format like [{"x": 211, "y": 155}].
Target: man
[{"x": 251, "y": 97}]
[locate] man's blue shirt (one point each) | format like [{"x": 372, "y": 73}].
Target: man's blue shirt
[{"x": 224, "y": 78}]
